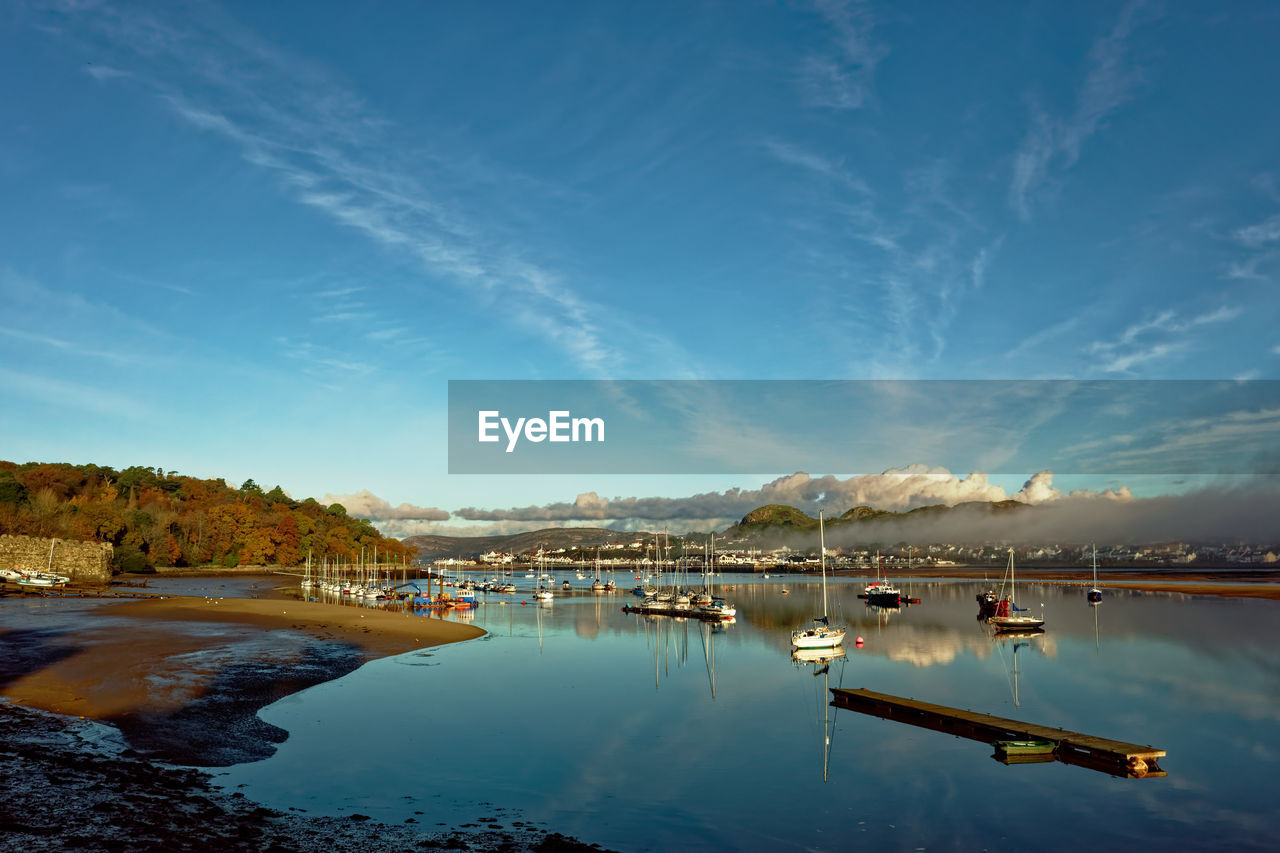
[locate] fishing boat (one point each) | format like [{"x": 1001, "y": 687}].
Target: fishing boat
[
  {"x": 1009, "y": 616},
  {"x": 1094, "y": 595},
  {"x": 880, "y": 592},
  {"x": 822, "y": 634}
]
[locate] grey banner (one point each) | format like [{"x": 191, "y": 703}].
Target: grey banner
[{"x": 855, "y": 426}]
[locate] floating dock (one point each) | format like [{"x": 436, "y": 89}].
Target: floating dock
[{"x": 1115, "y": 757}]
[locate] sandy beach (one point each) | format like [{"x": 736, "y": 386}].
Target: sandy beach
[{"x": 181, "y": 680}]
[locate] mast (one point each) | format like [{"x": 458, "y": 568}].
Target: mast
[
  {"x": 822, "y": 560},
  {"x": 1013, "y": 598}
]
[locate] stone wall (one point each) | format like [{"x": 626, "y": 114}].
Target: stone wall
[{"x": 83, "y": 562}]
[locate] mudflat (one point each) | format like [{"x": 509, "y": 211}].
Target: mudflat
[{"x": 184, "y": 677}]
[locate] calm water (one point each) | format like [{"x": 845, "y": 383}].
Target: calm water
[{"x": 655, "y": 734}]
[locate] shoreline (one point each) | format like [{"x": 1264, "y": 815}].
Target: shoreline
[
  {"x": 183, "y": 677},
  {"x": 114, "y": 715}
]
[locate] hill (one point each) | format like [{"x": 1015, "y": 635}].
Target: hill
[
  {"x": 156, "y": 518},
  {"x": 779, "y": 525}
]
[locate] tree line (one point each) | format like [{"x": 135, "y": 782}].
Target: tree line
[{"x": 158, "y": 518}]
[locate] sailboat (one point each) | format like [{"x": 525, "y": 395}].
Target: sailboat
[
  {"x": 1009, "y": 616},
  {"x": 542, "y": 593},
  {"x": 717, "y": 607},
  {"x": 822, "y": 634},
  {"x": 597, "y": 585},
  {"x": 1095, "y": 595}
]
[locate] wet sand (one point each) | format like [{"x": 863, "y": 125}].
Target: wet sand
[
  {"x": 184, "y": 677},
  {"x": 179, "y": 681}
]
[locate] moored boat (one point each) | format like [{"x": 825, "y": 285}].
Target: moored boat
[
  {"x": 1094, "y": 595},
  {"x": 1009, "y": 616},
  {"x": 821, "y": 634}
]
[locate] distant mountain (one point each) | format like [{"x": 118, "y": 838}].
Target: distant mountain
[
  {"x": 775, "y": 523},
  {"x": 771, "y": 525},
  {"x": 432, "y": 547}
]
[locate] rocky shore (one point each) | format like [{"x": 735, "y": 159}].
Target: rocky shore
[{"x": 74, "y": 785}]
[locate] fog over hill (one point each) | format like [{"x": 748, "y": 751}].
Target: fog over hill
[
  {"x": 915, "y": 504},
  {"x": 1209, "y": 516}
]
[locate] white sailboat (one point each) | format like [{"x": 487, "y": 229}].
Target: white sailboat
[
  {"x": 1095, "y": 595},
  {"x": 822, "y": 634},
  {"x": 1010, "y": 617}
]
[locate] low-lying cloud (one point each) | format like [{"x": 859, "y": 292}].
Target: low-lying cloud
[
  {"x": 896, "y": 489},
  {"x": 365, "y": 504},
  {"x": 1240, "y": 510}
]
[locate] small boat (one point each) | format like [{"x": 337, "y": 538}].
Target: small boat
[
  {"x": 720, "y": 609},
  {"x": 1025, "y": 747},
  {"x": 880, "y": 591},
  {"x": 40, "y": 579},
  {"x": 1094, "y": 595},
  {"x": 822, "y": 634},
  {"x": 1009, "y": 616}
]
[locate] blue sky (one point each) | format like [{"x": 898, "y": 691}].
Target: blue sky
[{"x": 256, "y": 240}]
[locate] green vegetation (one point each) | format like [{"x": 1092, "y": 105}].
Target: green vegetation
[
  {"x": 154, "y": 518},
  {"x": 777, "y": 515}
]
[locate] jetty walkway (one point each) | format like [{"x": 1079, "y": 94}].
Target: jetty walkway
[{"x": 1118, "y": 758}]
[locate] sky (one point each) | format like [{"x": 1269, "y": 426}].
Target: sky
[{"x": 257, "y": 240}]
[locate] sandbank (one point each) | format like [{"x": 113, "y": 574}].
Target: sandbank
[{"x": 184, "y": 677}]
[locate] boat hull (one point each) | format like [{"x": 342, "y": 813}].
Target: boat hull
[
  {"x": 1016, "y": 623},
  {"x": 817, "y": 639}
]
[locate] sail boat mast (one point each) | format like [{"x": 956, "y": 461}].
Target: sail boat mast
[{"x": 822, "y": 561}]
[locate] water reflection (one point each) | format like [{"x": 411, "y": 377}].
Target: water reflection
[{"x": 646, "y": 732}]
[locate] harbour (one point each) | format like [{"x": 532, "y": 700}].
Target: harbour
[{"x": 570, "y": 716}]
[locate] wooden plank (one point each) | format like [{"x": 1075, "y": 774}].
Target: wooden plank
[{"x": 1072, "y": 747}]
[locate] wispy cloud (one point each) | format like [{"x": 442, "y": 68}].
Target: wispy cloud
[
  {"x": 75, "y": 398},
  {"x": 105, "y": 72},
  {"x": 1052, "y": 142},
  {"x": 796, "y": 155},
  {"x": 64, "y": 345},
  {"x": 1259, "y": 234},
  {"x": 1250, "y": 269},
  {"x": 1259, "y": 244},
  {"x": 1154, "y": 339},
  {"x": 1038, "y": 339},
  {"x": 843, "y": 76},
  {"x": 333, "y": 154},
  {"x": 926, "y": 265},
  {"x": 982, "y": 262}
]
